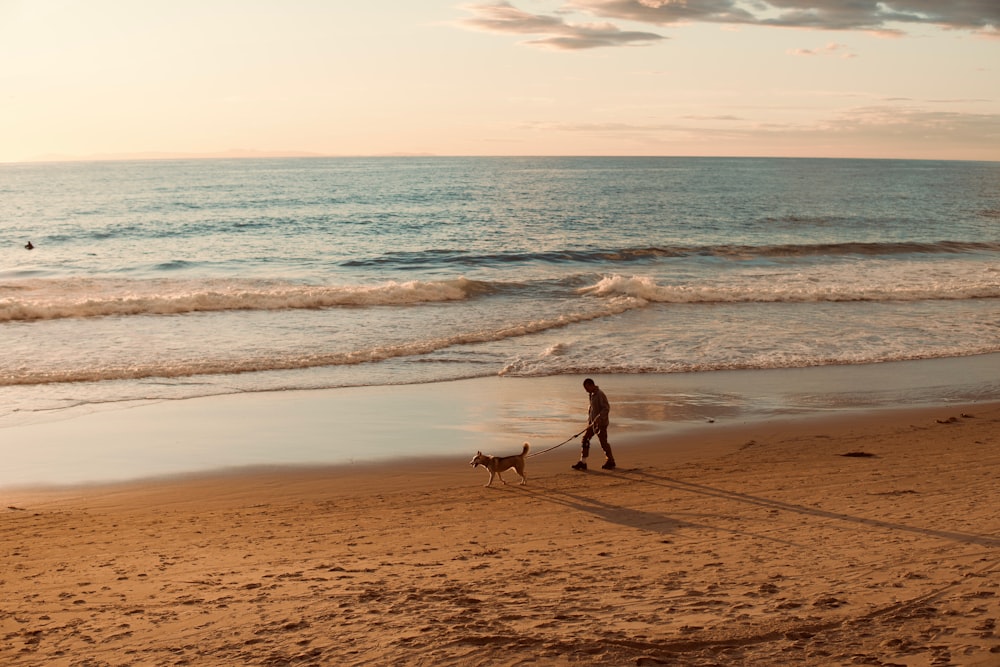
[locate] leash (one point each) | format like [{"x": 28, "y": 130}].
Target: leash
[{"x": 572, "y": 437}]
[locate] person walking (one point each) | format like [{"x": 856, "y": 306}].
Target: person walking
[{"x": 597, "y": 424}]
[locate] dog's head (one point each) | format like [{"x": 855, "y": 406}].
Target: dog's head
[{"x": 479, "y": 460}]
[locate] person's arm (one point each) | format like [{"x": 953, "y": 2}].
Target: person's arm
[{"x": 603, "y": 408}]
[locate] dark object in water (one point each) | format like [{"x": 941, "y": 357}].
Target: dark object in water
[{"x": 860, "y": 455}]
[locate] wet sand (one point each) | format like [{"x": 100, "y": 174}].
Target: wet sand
[{"x": 450, "y": 420}]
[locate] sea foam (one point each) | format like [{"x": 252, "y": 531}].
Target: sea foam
[{"x": 58, "y": 299}]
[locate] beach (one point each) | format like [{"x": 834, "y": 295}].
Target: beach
[
  {"x": 239, "y": 398},
  {"x": 834, "y": 537}
]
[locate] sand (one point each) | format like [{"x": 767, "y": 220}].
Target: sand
[{"x": 869, "y": 539}]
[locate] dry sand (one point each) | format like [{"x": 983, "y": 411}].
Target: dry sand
[{"x": 761, "y": 544}]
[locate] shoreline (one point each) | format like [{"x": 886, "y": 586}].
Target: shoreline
[
  {"x": 348, "y": 426},
  {"x": 682, "y": 444},
  {"x": 759, "y": 545}
]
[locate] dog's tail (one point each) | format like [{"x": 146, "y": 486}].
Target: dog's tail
[{"x": 526, "y": 448}]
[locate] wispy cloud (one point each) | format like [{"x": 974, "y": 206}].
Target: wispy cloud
[
  {"x": 890, "y": 17},
  {"x": 911, "y": 121},
  {"x": 831, "y": 49},
  {"x": 554, "y": 32},
  {"x": 907, "y": 130}
]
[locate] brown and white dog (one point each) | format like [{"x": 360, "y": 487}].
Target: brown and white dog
[{"x": 497, "y": 464}]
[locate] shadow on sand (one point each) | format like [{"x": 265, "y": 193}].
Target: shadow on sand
[{"x": 663, "y": 523}]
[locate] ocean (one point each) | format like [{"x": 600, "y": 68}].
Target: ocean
[{"x": 161, "y": 280}]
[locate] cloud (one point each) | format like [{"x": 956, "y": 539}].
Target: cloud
[
  {"x": 555, "y": 33},
  {"x": 887, "y": 17},
  {"x": 722, "y": 117},
  {"x": 904, "y": 130},
  {"x": 976, "y": 15},
  {"x": 831, "y": 49},
  {"x": 912, "y": 121}
]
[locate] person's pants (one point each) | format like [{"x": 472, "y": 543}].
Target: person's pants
[{"x": 601, "y": 431}]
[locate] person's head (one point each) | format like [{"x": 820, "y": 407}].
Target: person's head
[{"x": 589, "y": 385}]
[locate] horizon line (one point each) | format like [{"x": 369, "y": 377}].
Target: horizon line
[{"x": 254, "y": 154}]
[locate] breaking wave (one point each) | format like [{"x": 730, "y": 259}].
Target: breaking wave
[
  {"x": 299, "y": 361},
  {"x": 799, "y": 288},
  {"x": 50, "y": 300}
]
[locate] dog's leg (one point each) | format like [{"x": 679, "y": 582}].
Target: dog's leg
[
  {"x": 490, "y": 483},
  {"x": 520, "y": 471},
  {"x": 500, "y": 475}
]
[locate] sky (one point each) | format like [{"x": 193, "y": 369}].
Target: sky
[{"x": 94, "y": 79}]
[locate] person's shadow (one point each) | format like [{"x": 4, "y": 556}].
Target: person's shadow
[
  {"x": 680, "y": 485},
  {"x": 663, "y": 523},
  {"x": 639, "y": 519}
]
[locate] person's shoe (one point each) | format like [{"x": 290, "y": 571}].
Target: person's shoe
[
  {"x": 609, "y": 464},
  {"x": 579, "y": 465}
]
